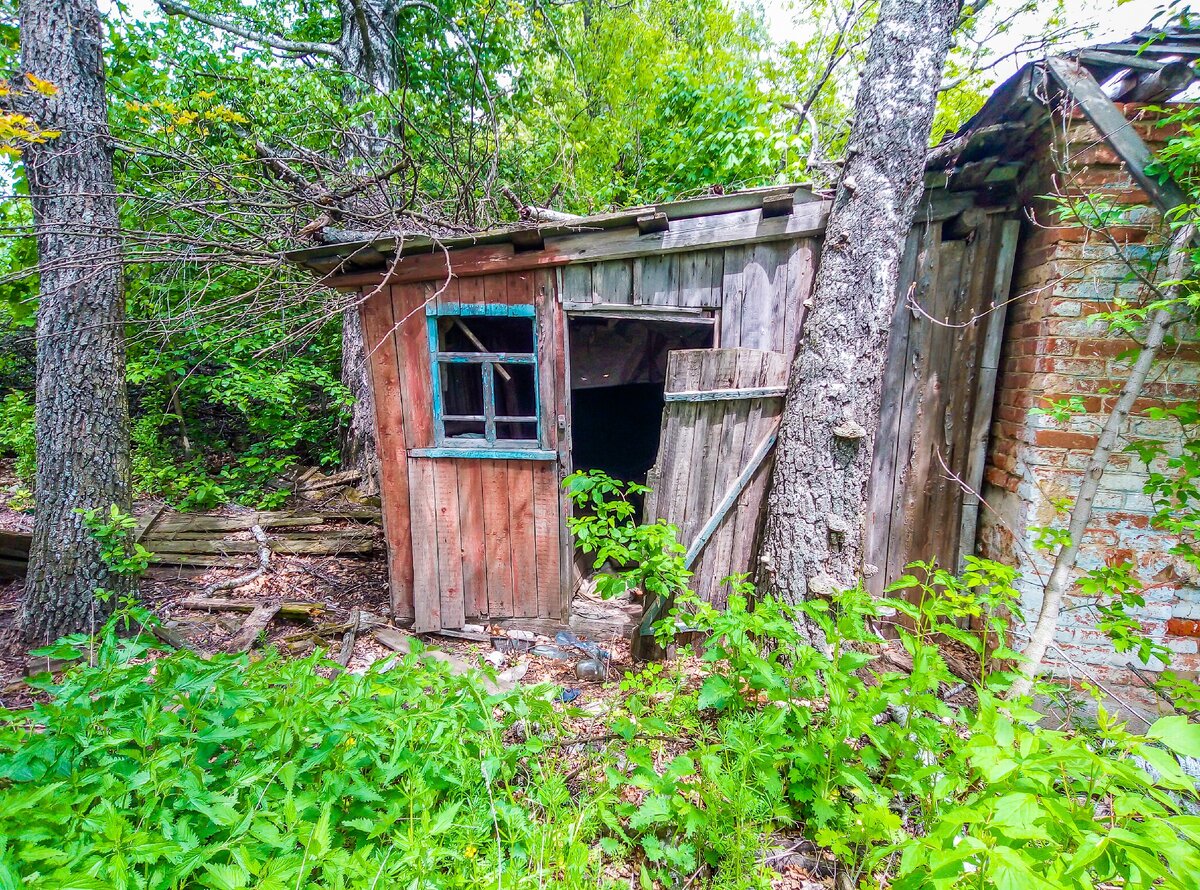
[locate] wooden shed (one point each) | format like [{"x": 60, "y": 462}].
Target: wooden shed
[{"x": 653, "y": 344}]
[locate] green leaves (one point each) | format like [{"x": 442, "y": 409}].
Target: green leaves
[{"x": 1177, "y": 733}]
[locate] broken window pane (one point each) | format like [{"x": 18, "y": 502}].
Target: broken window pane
[
  {"x": 485, "y": 333},
  {"x": 462, "y": 389}
]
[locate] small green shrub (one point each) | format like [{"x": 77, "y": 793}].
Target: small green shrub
[
  {"x": 17, "y": 434},
  {"x": 647, "y": 557}
]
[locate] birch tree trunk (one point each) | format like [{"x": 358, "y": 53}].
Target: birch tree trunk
[
  {"x": 813, "y": 539},
  {"x": 82, "y": 415}
]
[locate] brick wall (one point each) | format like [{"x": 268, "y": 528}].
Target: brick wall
[{"x": 1054, "y": 350}]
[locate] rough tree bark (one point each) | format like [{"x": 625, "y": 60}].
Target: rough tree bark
[
  {"x": 82, "y": 415},
  {"x": 813, "y": 539},
  {"x": 1081, "y": 512}
]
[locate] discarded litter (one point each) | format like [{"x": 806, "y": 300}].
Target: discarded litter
[
  {"x": 591, "y": 669},
  {"x": 549, "y": 650},
  {"x": 569, "y": 695}
]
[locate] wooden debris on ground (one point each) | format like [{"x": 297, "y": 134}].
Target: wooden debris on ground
[{"x": 259, "y": 618}]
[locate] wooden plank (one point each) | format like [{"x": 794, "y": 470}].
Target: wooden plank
[
  {"x": 758, "y": 302},
  {"x": 474, "y": 560},
  {"x": 412, "y": 355},
  {"x": 913, "y": 380},
  {"x": 523, "y": 539},
  {"x": 1116, "y": 130},
  {"x": 747, "y": 520},
  {"x": 612, "y": 282},
  {"x": 255, "y": 624},
  {"x": 379, "y": 333},
  {"x": 496, "y": 538},
  {"x": 801, "y": 273},
  {"x": 449, "y": 537},
  {"x": 547, "y": 546},
  {"x": 735, "y": 394},
  {"x": 807, "y": 221},
  {"x": 882, "y": 485},
  {"x": 714, "y": 564},
  {"x": 577, "y": 284},
  {"x": 700, "y": 277},
  {"x": 520, "y": 287},
  {"x": 718, "y": 370},
  {"x": 985, "y": 394},
  {"x": 547, "y": 346},
  {"x": 923, "y": 485},
  {"x": 728, "y": 499},
  {"x": 656, "y": 280},
  {"x": 733, "y": 295},
  {"x": 427, "y": 595}
]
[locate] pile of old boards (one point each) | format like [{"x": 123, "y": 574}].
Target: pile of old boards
[
  {"x": 190, "y": 540},
  {"x": 181, "y": 542}
]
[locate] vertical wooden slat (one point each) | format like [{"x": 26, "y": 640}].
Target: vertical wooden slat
[
  {"x": 577, "y": 284},
  {"x": 882, "y": 486},
  {"x": 522, "y": 538},
  {"x": 412, "y": 337},
  {"x": 714, "y": 560},
  {"x": 700, "y": 275},
  {"x": 474, "y": 557},
  {"x": 427, "y": 598},
  {"x": 547, "y": 544},
  {"x": 612, "y": 281},
  {"x": 497, "y": 550},
  {"x": 802, "y": 263},
  {"x": 914, "y": 536},
  {"x": 761, "y": 420},
  {"x": 735, "y": 271},
  {"x": 913, "y": 380},
  {"x": 985, "y": 395},
  {"x": 449, "y": 542},
  {"x": 656, "y": 279},
  {"x": 383, "y": 360}
]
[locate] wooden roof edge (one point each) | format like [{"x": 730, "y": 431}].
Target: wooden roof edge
[{"x": 372, "y": 253}]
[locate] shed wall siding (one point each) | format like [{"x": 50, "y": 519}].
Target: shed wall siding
[{"x": 465, "y": 540}]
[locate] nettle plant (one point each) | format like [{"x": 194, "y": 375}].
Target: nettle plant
[
  {"x": 885, "y": 769},
  {"x": 643, "y": 557}
]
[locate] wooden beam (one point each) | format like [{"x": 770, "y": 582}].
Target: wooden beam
[
  {"x": 1116, "y": 130},
  {"x": 726, "y": 395},
  {"x": 653, "y": 222}
]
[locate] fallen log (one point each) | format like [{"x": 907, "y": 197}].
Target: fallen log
[{"x": 300, "y": 610}]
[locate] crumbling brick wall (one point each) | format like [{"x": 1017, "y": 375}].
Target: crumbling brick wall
[{"x": 1054, "y": 350}]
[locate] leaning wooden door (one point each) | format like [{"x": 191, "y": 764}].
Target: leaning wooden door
[{"x": 719, "y": 424}]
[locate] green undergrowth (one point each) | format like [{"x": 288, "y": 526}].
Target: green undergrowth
[{"x": 182, "y": 772}]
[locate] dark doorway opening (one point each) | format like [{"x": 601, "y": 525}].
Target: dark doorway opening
[{"x": 618, "y": 369}]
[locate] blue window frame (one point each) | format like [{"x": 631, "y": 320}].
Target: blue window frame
[{"x": 485, "y": 380}]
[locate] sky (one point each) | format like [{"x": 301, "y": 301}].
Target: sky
[{"x": 1107, "y": 19}]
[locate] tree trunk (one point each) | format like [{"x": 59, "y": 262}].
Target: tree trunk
[
  {"x": 82, "y": 416},
  {"x": 358, "y": 448},
  {"x": 813, "y": 540}
]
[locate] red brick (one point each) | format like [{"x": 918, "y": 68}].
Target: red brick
[
  {"x": 1183, "y": 627},
  {"x": 1064, "y": 439},
  {"x": 1106, "y": 348}
]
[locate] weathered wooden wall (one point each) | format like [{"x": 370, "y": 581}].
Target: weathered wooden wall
[
  {"x": 756, "y": 291},
  {"x": 938, "y": 393},
  {"x": 469, "y": 537},
  {"x": 473, "y": 537}
]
